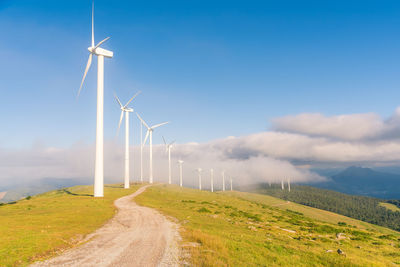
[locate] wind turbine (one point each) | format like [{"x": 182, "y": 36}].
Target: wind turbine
[
  {"x": 168, "y": 149},
  {"x": 199, "y": 171},
  {"x": 180, "y": 162},
  {"x": 99, "y": 162},
  {"x": 150, "y": 133},
  {"x": 288, "y": 182},
  {"x": 212, "y": 180},
  {"x": 223, "y": 180},
  {"x": 231, "y": 184},
  {"x": 125, "y": 110},
  {"x": 283, "y": 186}
]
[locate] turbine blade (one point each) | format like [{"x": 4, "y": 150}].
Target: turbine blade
[
  {"x": 86, "y": 71},
  {"x": 160, "y": 124},
  {"x": 170, "y": 144},
  {"x": 119, "y": 102},
  {"x": 147, "y": 136},
  {"x": 120, "y": 121},
  {"x": 164, "y": 140},
  {"x": 132, "y": 99},
  {"x": 144, "y": 123},
  {"x": 101, "y": 43},
  {"x": 92, "y": 23}
]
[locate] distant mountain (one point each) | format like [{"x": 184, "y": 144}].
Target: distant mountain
[
  {"x": 22, "y": 190},
  {"x": 365, "y": 182}
]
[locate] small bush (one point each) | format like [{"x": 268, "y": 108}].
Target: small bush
[
  {"x": 188, "y": 201},
  {"x": 294, "y": 212},
  {"x": 255, "y": 217},
  {"x": 28, "y": 197},
  {"x": 388, "y": 237},
  {"x": 342, "y": 223},
  {"x": 325, "y": 229},
  {"x": 204, "y": 210}
]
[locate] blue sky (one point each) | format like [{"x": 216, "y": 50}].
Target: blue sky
[{"x": 213, "y": 68}]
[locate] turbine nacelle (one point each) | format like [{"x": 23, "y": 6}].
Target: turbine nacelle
[
  {"x": 127, "y": 109},
  {"x": 150, "y": 129},
  {"x": 98, "y": 51},
  {"x": 124, "y": 108}
]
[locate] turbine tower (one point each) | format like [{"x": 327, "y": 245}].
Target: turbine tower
[
  {"x": 231, "y": 184},
  {"x": 223, "y": 180},
  {"x": 180, "y": 162},
  {"x": 141, "y": 152},
  {"x": 125, "y": 110},
  {"x": 199, "y": 171},
  {"x": 212, "y": 180},
  {"x": 282, "y": 185},
  {"x": 168, "y": 150},
  {"x": 288, "y": 182},
  {"x": 150, "y": 134},
  {"x": 99, "y": 162}
]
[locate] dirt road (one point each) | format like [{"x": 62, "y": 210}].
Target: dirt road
[{"x": 136, "y": 236}]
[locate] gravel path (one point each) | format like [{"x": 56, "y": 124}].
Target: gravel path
[{"x": 136, "y": 236}]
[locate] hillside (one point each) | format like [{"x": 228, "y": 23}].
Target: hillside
[
  {"x": 218, "y": 229},
  {"x": 244, "y": 229},
  {"x": 364, "y": 182},
  {"x": 38, "y": 227},
  {"x": 367, "y": 209}
]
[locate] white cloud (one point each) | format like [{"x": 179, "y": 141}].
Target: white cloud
[
  {"x": 346, "y": 127},
  {"x": 297, "y": 141}
]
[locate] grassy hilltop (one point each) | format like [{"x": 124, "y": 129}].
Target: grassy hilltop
[
  {"x": 218, "y": 229},
  {"x": 37, "y": 228},
  {"x": 244, "y": 229}
]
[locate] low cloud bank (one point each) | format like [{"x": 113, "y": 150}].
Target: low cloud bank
[
  {"x": 348, "y": 127},
  {"x": 77, "y": 162},
  {"x": 295, "y": 144}
]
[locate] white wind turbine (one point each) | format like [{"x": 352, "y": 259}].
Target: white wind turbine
[
  {"x": 223, "y": 180},
  {"x": 199, "y": 172},
  {"x": 125, "y": 110},
  {"x": 168, "y": 150},
  {"x": 100, "y": 53},
  {"x": 180, "y": 162},
  {"x": 282, "y": 185},
  {"x": 231, "y": 184},
  {"x": 212, "y": 180},
  {"x": 150, "y": 134},
  {"x": 288, "y": 182}
]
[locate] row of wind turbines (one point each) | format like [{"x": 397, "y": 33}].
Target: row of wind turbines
[{"x": 101, "y": 53}]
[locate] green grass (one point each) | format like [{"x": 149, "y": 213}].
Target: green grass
[
  {"x": 389, "y": 206},
  {"x": 243, "y": 229},
  {"x": 314, "y": 213},
  {"x": 36, "y": 228}
]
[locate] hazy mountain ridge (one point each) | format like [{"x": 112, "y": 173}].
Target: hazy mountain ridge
[
  {"x": 364, "y": 182},
  {"x": 16, "y": 192}
]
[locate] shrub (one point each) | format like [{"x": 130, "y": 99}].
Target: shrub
[{"x": 204, "y": 210}]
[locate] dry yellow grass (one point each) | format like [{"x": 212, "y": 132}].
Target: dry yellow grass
[
  {"x": 45, "y": 224},
  {"x": 227, "y": 229}
]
